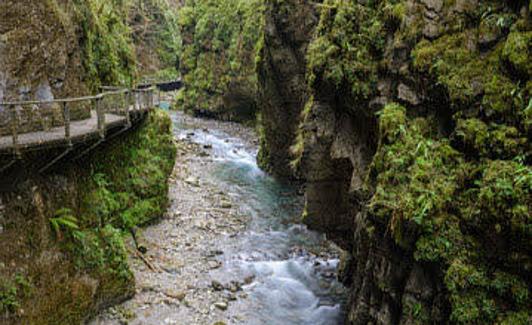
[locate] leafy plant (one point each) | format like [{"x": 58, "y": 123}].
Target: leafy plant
[{"x": 64, "y": 222}]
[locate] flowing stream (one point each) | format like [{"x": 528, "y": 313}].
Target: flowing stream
[
  {"x": 290, "y": 270},
  {"x": 230, "y": 249}
]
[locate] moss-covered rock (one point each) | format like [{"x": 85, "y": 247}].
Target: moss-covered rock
[
  {"x": 218, "y": 61},
  {"x": 422, "y": 110},
  {"x": 62, "y": 233}
]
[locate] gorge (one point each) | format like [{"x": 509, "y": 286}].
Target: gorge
[{"x": 326, "y": 162}]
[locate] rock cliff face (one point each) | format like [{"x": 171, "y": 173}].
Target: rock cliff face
[
  {"x": 35, "y": 31},
  {"x": 218, "y": 60},
  {"x": 57, "y": 49},
  {"x": 281, "y": 72},
  {"x": 417, "y": 119},
  {"x": 63, "y": 255},
  {"x": 39, "y": 59},
  {"x": 61, "y": 232}
]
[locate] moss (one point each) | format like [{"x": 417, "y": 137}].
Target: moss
[
  {"x": 452, "y": 212},
  {"x": 473, "y": 133},
  {"x": 108, "y": 50},
  {"x": 298, "y": 147},
  {"x": 122, "y": 185},
  {"x": 458, "y": 68},
  {"x": 221, "y": 41},
  {"x": 416, "y": 313},
  {"x": 349, "y": 39},
  {"x": 517, "y": 51},
  {"x": 417, "y": 167},
  {"x": 156, "y": 38}
]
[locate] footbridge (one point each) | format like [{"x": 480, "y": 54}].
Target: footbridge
[{"x": 70, "y": 128}]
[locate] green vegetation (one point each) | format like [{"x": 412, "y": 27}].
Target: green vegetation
[
  {"x": 155, "y": 28},
  {"x": 349, "y": 41},
  {"x": 220, "y": 45},
  {"x": 123, "y": 185},
  {"x": 120, "y": 40},
  {"x": 12, "y": 292},
  {"x": 126, "y": 188},
  {"x": 108, "y": 52},
  {"x": 459, "y": 198},
  {"x": 472, "y": 217}
]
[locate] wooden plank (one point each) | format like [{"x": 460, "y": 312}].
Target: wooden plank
[{"x": 66, "y": 117}]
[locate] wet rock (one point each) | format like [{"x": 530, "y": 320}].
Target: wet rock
[
  {"x": 215, "y": 253},
  {"x": 231, "y": 296},
  {"x": 179, "y": 295},
  {"x": 249, "y": 279},
  {"x": 225, "y": 205},
  {"x": 216, "y": 285},
  {"x": 203, "y": 154},
  {"x": 192, "y": 181},
  {"x": 234, "y": 286}
]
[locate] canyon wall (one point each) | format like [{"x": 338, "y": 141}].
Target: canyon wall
[
  {"x": 414, "y": 144},
  {"x": 58, "y": 49},
  {"x": 61, "y": 232},
  {"x": 281, "y": 74},
  {"x": 217, "y": 64}
]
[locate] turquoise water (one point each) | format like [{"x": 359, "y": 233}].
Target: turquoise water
[{"x": 292, "y": 282}]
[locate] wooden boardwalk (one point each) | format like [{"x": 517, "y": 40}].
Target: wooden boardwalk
[
  {"x": 112, "y": 108},
  {"x": 80, "y": 130},
  {"x": 106, "y": 115}
]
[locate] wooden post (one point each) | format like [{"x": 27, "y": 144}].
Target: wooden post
[
  {"x": 14, "y": 129},
  {"x": 66, "y": 116},
  {"x": 100, "y": 117},
  {"x": 127, "y": 96}
]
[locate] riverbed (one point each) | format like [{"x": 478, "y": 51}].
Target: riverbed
[{"x": 230, "y": 249}]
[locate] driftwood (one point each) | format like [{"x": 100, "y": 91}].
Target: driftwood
[
  {"x": 138, "y": 240},
  {"x": 148, "y": 263}
]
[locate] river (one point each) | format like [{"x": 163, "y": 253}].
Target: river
[{"x": 257, "y": 264}]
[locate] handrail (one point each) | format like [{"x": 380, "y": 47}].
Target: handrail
[
  {"x": 112, "y": 91},
  {"x": 66, "y": 100}
]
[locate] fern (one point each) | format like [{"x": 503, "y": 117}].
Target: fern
[{"x": 64, "y": 222}]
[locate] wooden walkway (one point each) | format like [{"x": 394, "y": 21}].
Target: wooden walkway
[
  {"x": 98, "y": 119},
  {"x": 80, "y": 130},
  {"x": 108, "y": 110}
]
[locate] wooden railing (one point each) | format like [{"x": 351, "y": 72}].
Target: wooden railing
[{"x": 112, "y": 100}]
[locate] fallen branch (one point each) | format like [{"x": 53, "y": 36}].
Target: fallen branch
[{"x": 148, "y": 263}]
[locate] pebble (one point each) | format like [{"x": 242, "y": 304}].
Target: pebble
[
  {"x": 214, "y": 265},
  {"x": 225, "y": 205},
  {"x": 216, "y": 285},
  {"x": 221, "y": 305},
  {"x": 192, "y": 181},
  {"x": 179, "y": 295}
]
